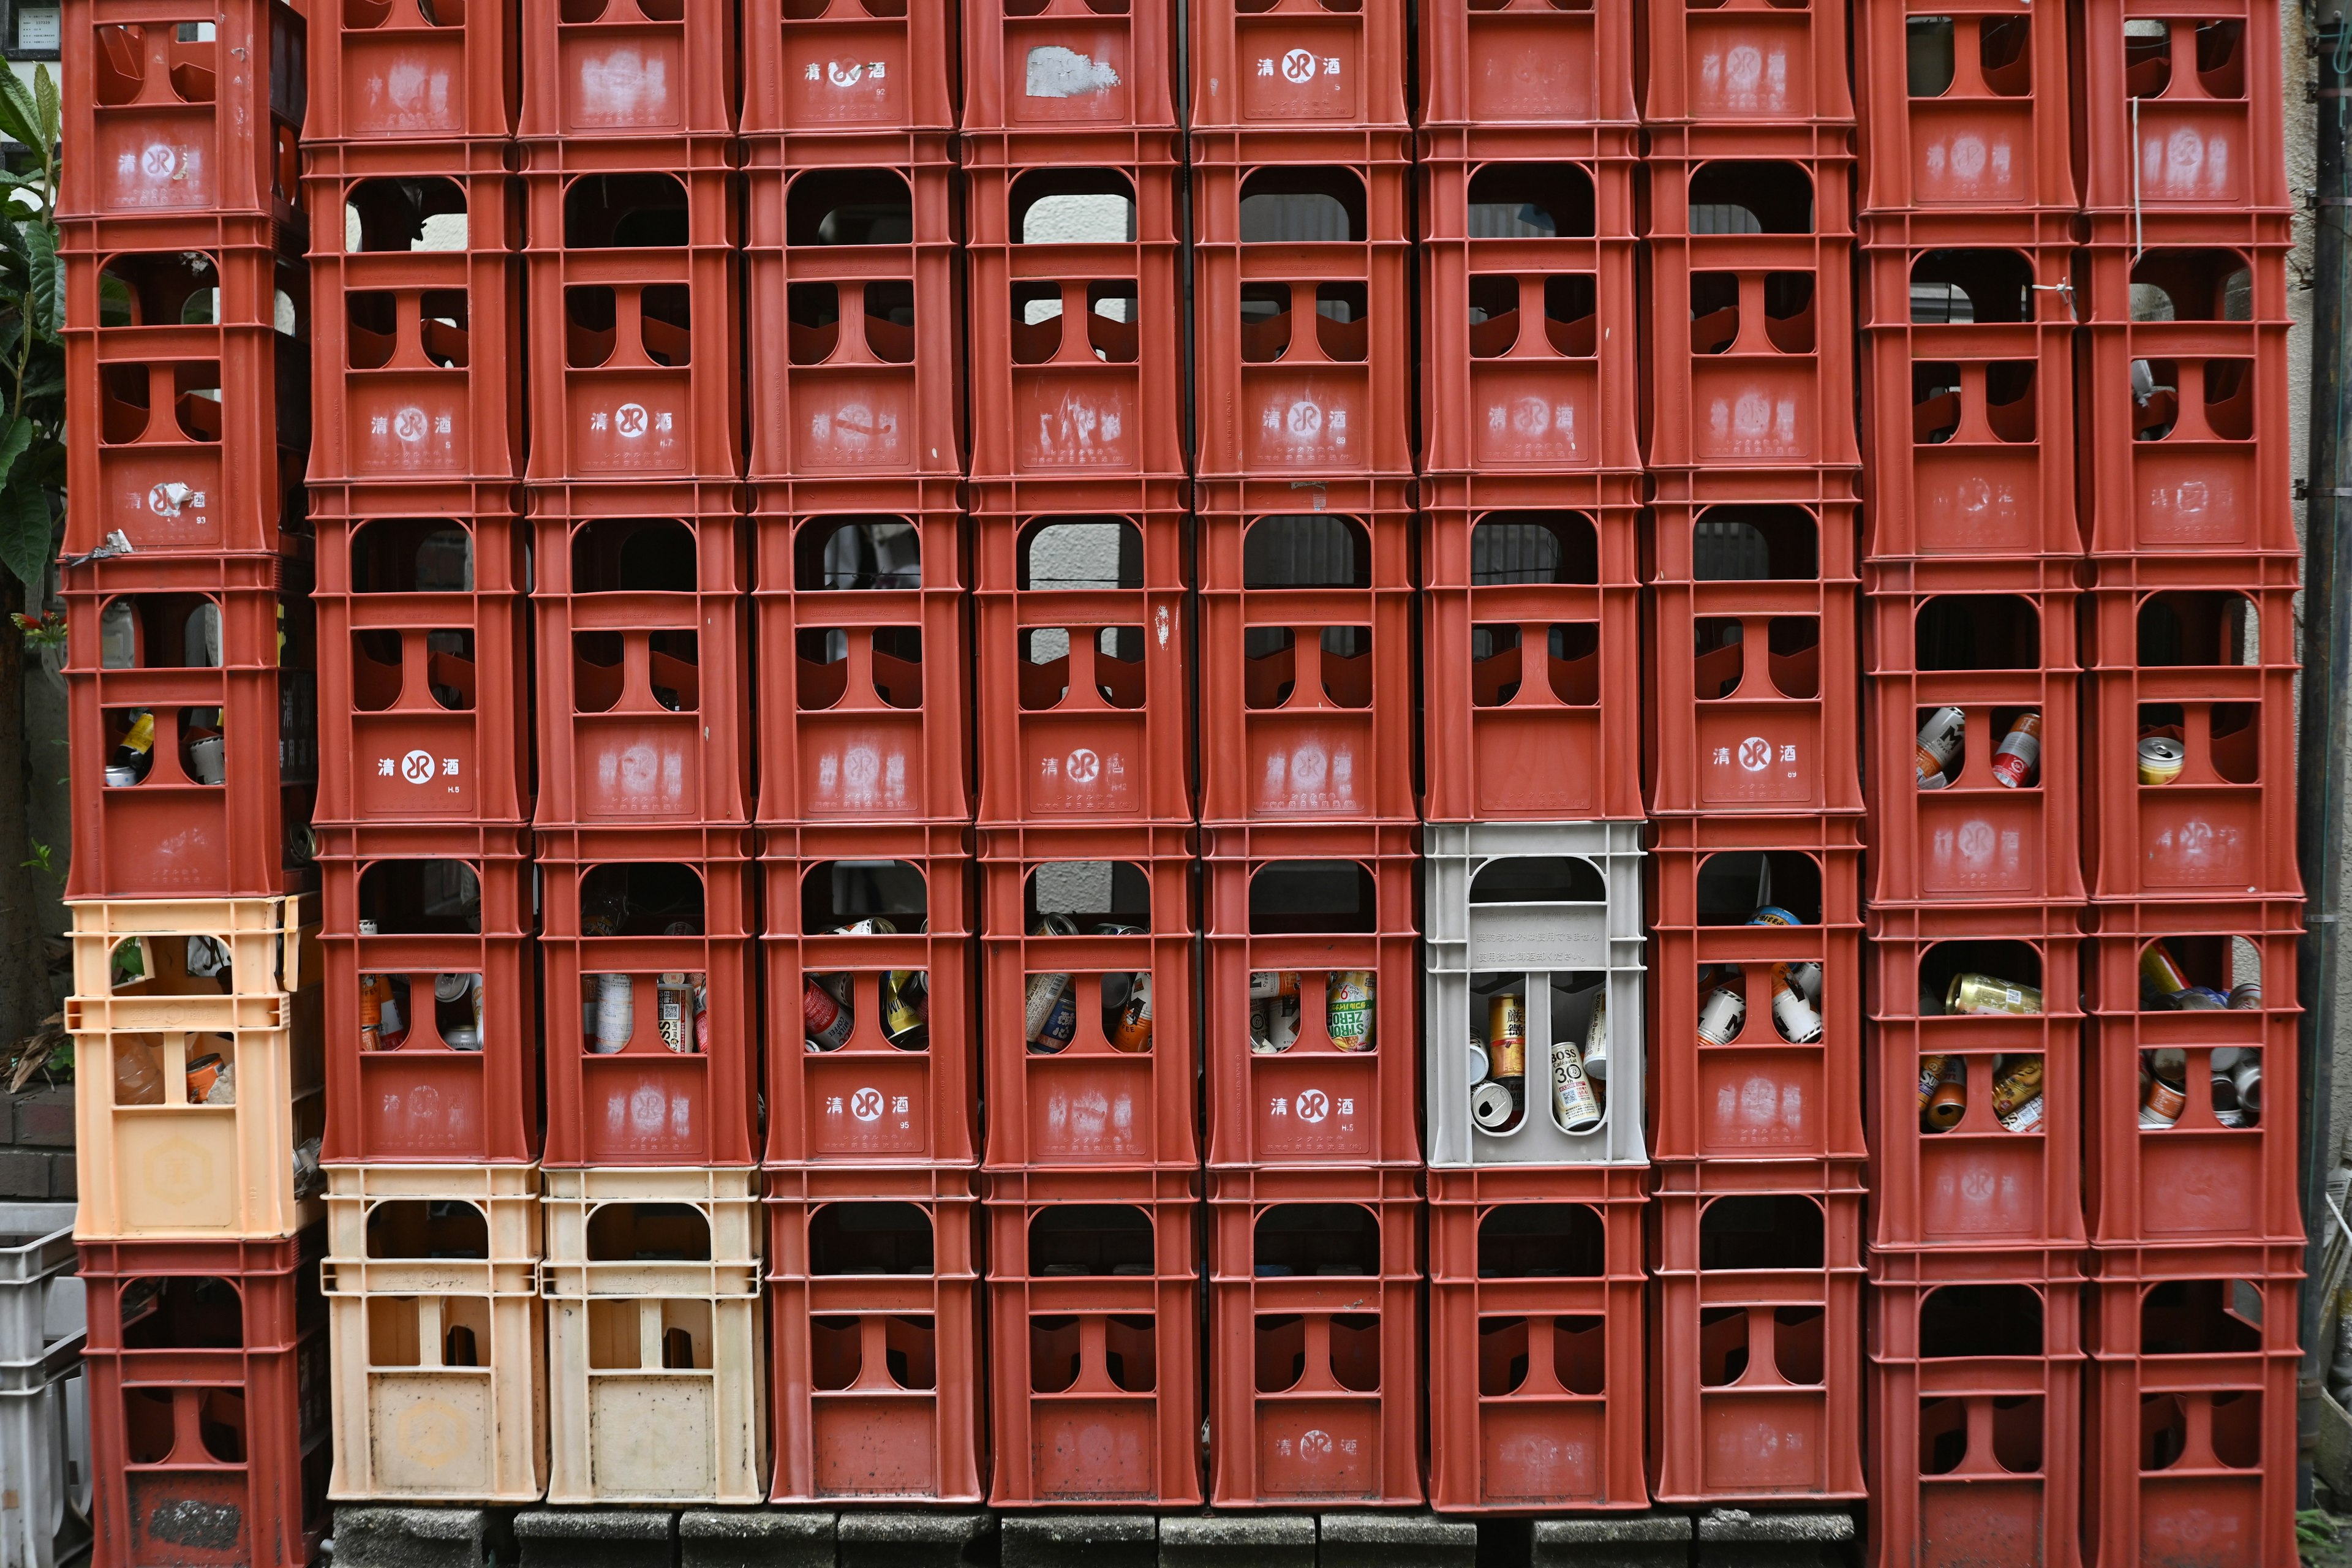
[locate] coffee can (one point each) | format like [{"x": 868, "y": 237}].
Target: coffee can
[
  {"x": 1491, "y": 1107},
  {"x": 2019, "y": 1080},
  {"x": 1133, "y": 1031},
  {"x": 1940, "y": 739},
  {"x": 1061, "y": 1024},
  {"x": 1720, "y": 1013},
  {"x": 1573, "y": 1104},
  {"x": 1043, "y": 994},
  {"x": 2025, "y": 1116},
  {"x": 824, "y": 1020},
  {"x": 2161, "y": 758},
  {"x": 1596, "y": 1039},
  {"x": 1973, "y": 993},
  {"x": 1931, "y": 1073},
  {"x": 1507, "y": 1035}
]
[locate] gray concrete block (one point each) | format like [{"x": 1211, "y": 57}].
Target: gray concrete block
[
  {"x": 25, "y": 1173},
  {"x": 1735, "y": 1538},
  {"x": 912, "y": 1538},
  {"x": 371, "y": 1537},
  {"x": 1397, "y": 1541},
  {"x": 1080, "y": 1541},
  {"x": 1613, "y": 1540},
  {"x": 1237, "y": 1541},
  {"x": 597, "y": 1538},
  {"x": 755, "y": 1538}
]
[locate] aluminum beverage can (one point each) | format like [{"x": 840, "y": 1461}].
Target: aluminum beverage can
[
  {"x": 1773, "y": 915},
  {"x": 2160, "y": 970},
  {"x": 827, "y": 1023},
  {"x": 2025, "y": 1116},
  {"x": 1274, "y": 1011},
  {"x": 1791, "y": 1013},
  {"x": 616, "y": 1008},
  {"x": 2016, "y": 1084},
  {"x": 1061, "y": 1024},
  {"x": 1940, "y": 739},
  {"x": 1347, "y": 1004},
  {"x": 1043, "y": 995},
  {"x": 1133, "y": 1032},
  {"x": 1507, "y": 1037},
  {"x": 1596, "y": 1039},
  {"x": 1573, "y": 1104},
  {"x": 2017, "y": 762},
  {"x": 2246, "y": 996},
  {"x": 2161, "y": 759},
  {"x": 1720, "y": 1013},
  {"x": 1491, "y": 1107},
  {"x": 1947, "y": 1096},
  {"x": 1974, "y": 992},
  {"x": 2161, "y": 1103}
]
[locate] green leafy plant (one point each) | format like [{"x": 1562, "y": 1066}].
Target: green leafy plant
[
  {"x": 42, "y": 862},
  {"x": 32, "y": 322},
  {"x": 2316, "y": 1530},
  {"x": 44, "y": 630}
]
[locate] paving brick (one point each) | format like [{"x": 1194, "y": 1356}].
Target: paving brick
[{"x": 45, "y": 1119}]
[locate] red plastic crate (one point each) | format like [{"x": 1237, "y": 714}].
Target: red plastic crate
[
  {"x": 1066, "y": 67},
  {"x": 207, "y": 1375},
  {"x": 874, "y": 1335},
  {"x": 394, "y": 75},
  {"x": 419, "y": 351},
  {"x": 1511, "y": 561},
  {"x": 644, "y": 618},
  {"x": 210, "y": 647},
  {"x": 2179, "y": 111},
  {"x": 2201, "y": 648},
  {"x": 1963, "y": 110},
  {"x": 1305, "y": 689},
  {"x": 1083, "y": 652},
  {"x": 845, "y": 67},
  {"x": 1758, "y": 240},
  {"x": 173, "y": 114},
  {"x": 1531, "y": 361},
  {"x": 456, "y": 901},
  {"x": 648, "y": 1102},
  {"x": 1298, "y": 64},
  {"x": 2189, "y": 1415},
  {"x": 195, "y": 434},
  {"x": 1315, "y": 1358},
  {"x": 1968, "y": 399},
  {"x": 632, "y": 68},
  {"x": 1758, "y": 1095},
  {"x": 1535, "y": 1339},
  {"x": 1756, "y": 1353},
  {"x": 1094, "y": 1331},
  {"x": 1091, "y": 1104},
  {"x": 424, "y": 666},
  {"x": 852, "y": 310},
  {"x": 1049, "y": 249},
  {"x": 1326, "y": 247},
  {"x": 2187, "y": 423},
  {"x": 1746, "y": 63},
  {"x": 1965, "y": 1193},
  {"x": 862, "y": 623},
  {"x": 1758, "y": 561},
  {"x": 1997, "y": 640},
  {"x": 865, "y": 1099},
  {"x": 1975, "y": 1405},
  {"x": 1525, "y": 63},
  {"x": 632, "y": 250},
  {"x": 1318, "y": 903},
  {"x": 2198, "y": 1182}
]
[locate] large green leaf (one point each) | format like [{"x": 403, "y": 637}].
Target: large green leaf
[
  {"x": 48, "y": 284},
  {"x": 25, "y": 530},
  {"x": 20, "y": 116},
  {"x": 45, "y": 102}
]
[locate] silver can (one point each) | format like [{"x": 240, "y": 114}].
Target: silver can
[
  {"x": 1491, "y": 1107},
  {"x": 616, "y": 1014}
]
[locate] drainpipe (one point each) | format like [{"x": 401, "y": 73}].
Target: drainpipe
[{"x": 2326, "y": 774}]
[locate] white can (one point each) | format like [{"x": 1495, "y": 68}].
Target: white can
[
  {"x": 1791, "y": 1013},
  {"x": 1596, "y": 1039},
  {"x": 1720, "y": 1013},
  {"x": 617, "y": 1015},
  {"x": 1573, "y": 1104},
  {"x": 1491, "y": 1107}
]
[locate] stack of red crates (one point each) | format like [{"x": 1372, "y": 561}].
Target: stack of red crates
[
  {"x": 641, "y": 591},
  {"x": 1528, "y": 540},
  {"x": 2188, "y": 767},
  {"x": 1082, "y": 569},
  {"x": 1756, "y": 1222},
  {"x": 863, "y": 556},
  {"x": 1301, "y": 168},
  {"x": 194, "y": 751},
  {"x": 1977, "y": 1068},
  {"x": 426, "y": 784}
]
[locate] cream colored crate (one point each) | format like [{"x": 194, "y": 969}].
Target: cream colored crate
[
  {"x": 272, "y": 945},
  {"x": 657, "y": 1399},
  {"x": 598, "y": 1238},
  {"x": 177, "y": 1171},
  {"x": 410, "y": 1425}
]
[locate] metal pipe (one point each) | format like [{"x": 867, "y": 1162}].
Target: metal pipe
[{"x": 2326, "y": 666}]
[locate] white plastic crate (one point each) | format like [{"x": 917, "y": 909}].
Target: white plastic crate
[
  {"x": 596, "y": 1245},
  {"x": 1552, "y": 911},
  {"x": 44, "y": 1464},
  {"x": 437, "y": 1331},
  {"x": 36, "y": 1260}
]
